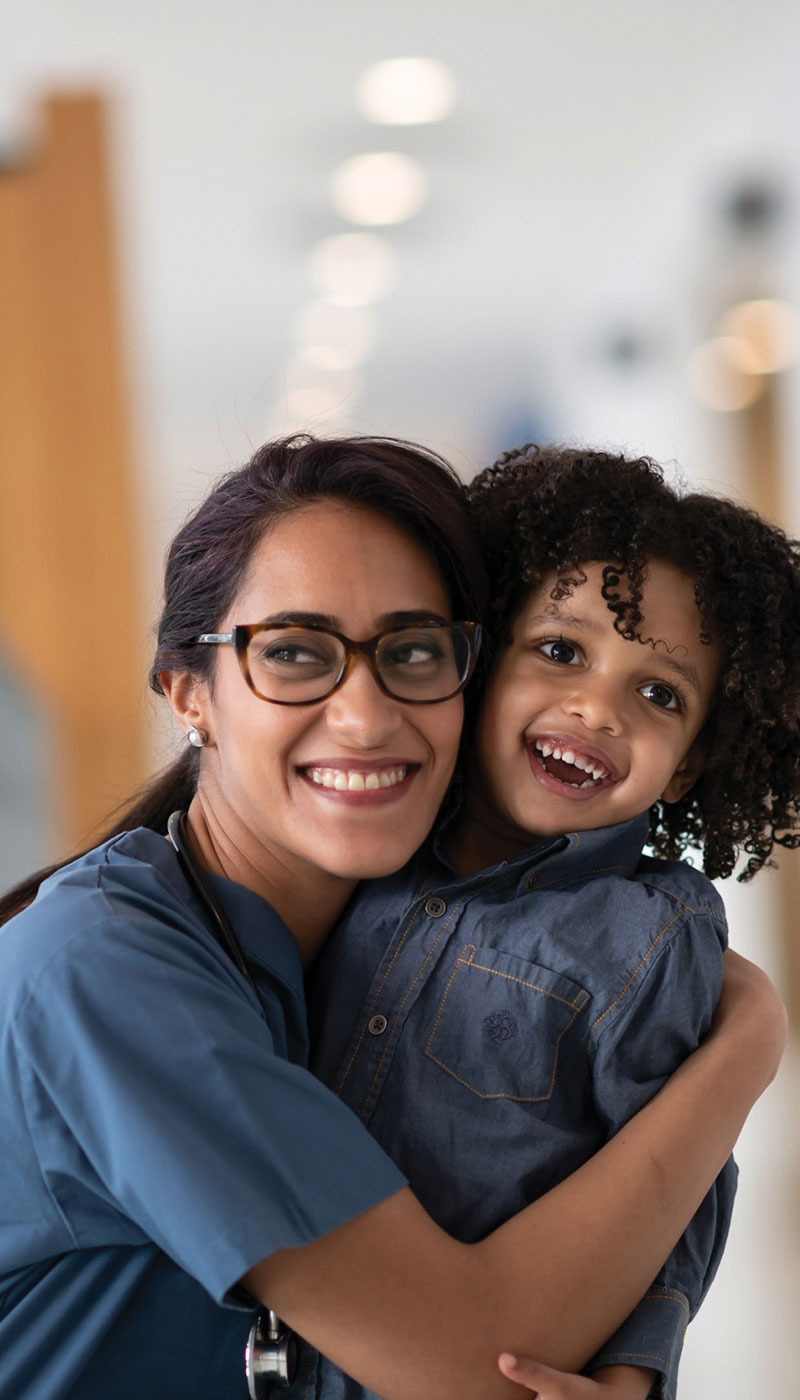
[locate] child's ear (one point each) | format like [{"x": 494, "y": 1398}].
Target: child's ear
[{"x": 685, "y": 775}]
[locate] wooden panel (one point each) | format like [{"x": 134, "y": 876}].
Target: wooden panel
[
  {"x": 760, "y": 438},
  {"x": 69, "y": 615}
]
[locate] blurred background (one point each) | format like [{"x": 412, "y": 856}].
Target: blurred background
[{"x": 469, "y": 225}]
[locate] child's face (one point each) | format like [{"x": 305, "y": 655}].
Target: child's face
[{"x": 623, "y": 716}]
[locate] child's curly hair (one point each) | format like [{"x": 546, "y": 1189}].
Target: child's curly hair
[{"x": 545, "y": 510}]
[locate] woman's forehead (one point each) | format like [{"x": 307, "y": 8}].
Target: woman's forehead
[{"x": 332, "y": 557}]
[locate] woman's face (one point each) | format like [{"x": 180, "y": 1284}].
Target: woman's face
[{"x": 267, "y": 768}]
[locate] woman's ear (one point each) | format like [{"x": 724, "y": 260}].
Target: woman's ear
[
  {"x": 188, "y": 697},
  {"x": 685, "y": 775}
]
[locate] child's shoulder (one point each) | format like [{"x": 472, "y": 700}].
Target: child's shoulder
[{"x": 682, "y": 883}]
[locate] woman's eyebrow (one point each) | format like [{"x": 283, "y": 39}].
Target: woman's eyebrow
[{"x": 394, "y": 619}]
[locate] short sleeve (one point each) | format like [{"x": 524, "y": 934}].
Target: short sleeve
[{"x": 154, "y": 1098}]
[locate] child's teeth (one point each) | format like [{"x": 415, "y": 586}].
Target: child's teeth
[
  {"x": 556, "y": 753},
  {"x": 567, "y": 756}
]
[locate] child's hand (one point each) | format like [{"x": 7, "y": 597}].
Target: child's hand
[{"x": 619, "y": 1382}]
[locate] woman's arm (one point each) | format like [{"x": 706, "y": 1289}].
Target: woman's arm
[{"x": 408, "y": 1311}]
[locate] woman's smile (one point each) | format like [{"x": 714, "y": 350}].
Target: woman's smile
[
  {"x": 375, "y": 783},
  {"x": 348, "y": 785}
]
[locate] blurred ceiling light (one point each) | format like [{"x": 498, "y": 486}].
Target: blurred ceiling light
[
  {"x": 334, "y": 337},
  {"x": 406, "y": 92},
  {"x": 717, "y": 378},
  {"x": 771, "y": 331},
  {"x": 305, "y": 405},
  {"x": 353, "y": 268},
  {"x": 302, "y": 377},
  {"x": 382, "y": 187}
]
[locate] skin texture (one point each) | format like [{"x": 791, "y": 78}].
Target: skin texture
[
  {"x": 389, "y": 1296},
  {"x": 621, "y": 1382},
  {"x": 257, "y": 817},
  {"x": 410, "y": 1312},
  {"x": 622, "y": 706}
]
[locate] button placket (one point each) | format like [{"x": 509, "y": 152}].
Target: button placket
[{"x": 435, "y": 907}]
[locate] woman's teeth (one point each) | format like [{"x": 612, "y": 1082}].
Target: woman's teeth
[
  {"x": 345, "y": 780},
  {"x": 595, "y": 771}
]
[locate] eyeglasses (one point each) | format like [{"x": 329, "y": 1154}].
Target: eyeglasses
[{"x": 292, "y": 663}]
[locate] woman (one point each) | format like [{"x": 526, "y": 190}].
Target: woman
[{"x": 167, "y": 1158}]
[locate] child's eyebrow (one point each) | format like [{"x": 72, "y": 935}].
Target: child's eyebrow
[{"x": 684, "y": 669}]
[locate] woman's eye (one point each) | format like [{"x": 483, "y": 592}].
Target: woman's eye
[
  {"x": 412, "y": 654},
  {"x": 286, "y": 655},
  {"x": 291, "y": 655},
  {"x": 562, "y": 652},
  {"x": 661, "y": 695}
]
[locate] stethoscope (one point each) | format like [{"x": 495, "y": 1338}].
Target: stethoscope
[{"x": 271, "y": 1351}]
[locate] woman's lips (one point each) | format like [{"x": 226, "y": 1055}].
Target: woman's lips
[{"x": 360, "y": 783}]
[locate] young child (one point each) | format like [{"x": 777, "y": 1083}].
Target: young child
[{"x": 505, "y": 1003}]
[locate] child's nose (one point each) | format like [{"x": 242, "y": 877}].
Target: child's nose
[{"x": 598, "y": 705}]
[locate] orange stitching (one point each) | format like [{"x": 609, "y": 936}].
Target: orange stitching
[
  {"x": 512, "y": 1098},
  {"x": 398, "y": 1012},
  {"x": 531, "y": 882},
  {"x": 495, "y": 972},
  {"x": 374, "y": 1002},
  {"x": 507, "y": 878},
  {"x": 634, "y": 974}
]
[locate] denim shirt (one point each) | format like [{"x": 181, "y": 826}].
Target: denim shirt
[{"x": 494, "y": 1031}]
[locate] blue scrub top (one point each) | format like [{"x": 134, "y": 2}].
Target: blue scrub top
[{"x": 160, "y": 1132}]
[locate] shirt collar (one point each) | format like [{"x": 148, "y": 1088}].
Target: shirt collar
[{"x": 549, "y": 859}]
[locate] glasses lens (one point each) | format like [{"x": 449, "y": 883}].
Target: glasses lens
[
  {"x": 291, "y": 665},
  {"x": 424, "y": 663}
]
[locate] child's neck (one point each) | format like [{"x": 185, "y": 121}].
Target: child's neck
[{"x": 480, "y": 838}]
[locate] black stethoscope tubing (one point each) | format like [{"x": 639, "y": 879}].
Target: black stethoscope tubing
[
  {"x": 271, "y": 1352},
  {"x": 178, "y": 832}
]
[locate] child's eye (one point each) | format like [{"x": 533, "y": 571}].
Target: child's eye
[
  {"x": 662, "y": 695},
  {"x": 563, "y": 652}
]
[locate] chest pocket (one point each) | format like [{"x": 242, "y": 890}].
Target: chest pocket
[{"x": 501, "y": 1023}]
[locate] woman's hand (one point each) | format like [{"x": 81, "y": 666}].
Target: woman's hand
[{"x": 609, "y": 1383}]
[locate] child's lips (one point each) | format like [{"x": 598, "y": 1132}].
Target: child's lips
[{"x": 566, "y": 764}]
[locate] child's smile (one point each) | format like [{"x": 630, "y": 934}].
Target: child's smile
[{"x": 582, "y": 728}]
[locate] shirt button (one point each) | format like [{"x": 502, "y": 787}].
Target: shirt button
[
  {"x": 378, "y": 1025},
  {"x": 435, "y": 906}
]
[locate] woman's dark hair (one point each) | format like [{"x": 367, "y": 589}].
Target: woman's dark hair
[
  {"x": 542, "y": 511},
  {"x": 208, "y": 559}
]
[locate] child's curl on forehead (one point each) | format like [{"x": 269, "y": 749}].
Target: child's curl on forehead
[{"x": 583, "y": 546}]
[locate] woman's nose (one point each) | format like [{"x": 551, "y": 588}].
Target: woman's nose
[{"x": 359, "y": 712}]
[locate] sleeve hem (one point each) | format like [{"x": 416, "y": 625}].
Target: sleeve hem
[{"x": 652, "y": 1336}]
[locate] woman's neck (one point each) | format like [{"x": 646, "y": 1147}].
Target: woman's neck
[{"x": 309, "y": 900}]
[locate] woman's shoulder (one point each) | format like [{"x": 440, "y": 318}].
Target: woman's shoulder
[{"x": 132, "y": 880}]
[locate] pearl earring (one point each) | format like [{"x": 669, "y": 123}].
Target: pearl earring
[{"x": 197, "y": 737}]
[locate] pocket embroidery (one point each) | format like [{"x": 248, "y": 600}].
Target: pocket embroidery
[{"x": 499, "y": 1033}]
